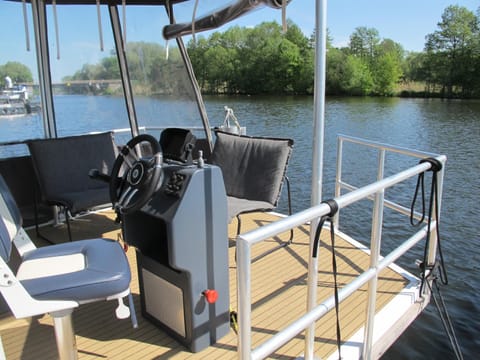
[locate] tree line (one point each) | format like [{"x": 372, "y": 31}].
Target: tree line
[
  {"x": 263, "y": 60},
  {"x": 266, "y": 60}
]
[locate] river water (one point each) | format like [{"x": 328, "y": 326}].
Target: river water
[{"x": 443, "y": 127}]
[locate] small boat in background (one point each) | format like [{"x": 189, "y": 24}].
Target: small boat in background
[{"x": 14, "y": 100}]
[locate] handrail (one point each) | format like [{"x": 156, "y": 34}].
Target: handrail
[
  {"x": 374, "y": 191},
  {"x": 383, "y": 148}
]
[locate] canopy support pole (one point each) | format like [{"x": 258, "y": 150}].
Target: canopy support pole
[
  {"x": 43, "y": 64},
  {"x": 122, "y": 62},
  {"x": 193, "y": 80},
  {"x": 317, "y": 159}
]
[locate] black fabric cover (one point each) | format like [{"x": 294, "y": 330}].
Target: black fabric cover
[
  {"x": 177, "y": 144},
  {"x": 62, "y": 166},
  {"x": 253, "y": 170}
]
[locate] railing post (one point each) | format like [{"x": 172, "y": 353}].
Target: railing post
[
  {"x": 338, "y": 176},
  {"x": 312, "y": 283},
  {"x": 244, "y": 299},
  {"x": 375, "y": 246}
]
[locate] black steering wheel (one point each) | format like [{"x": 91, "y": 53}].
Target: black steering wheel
[{"x": 141, "y": 175}]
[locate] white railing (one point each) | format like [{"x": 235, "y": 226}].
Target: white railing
[{"x": 373, "y": 191}]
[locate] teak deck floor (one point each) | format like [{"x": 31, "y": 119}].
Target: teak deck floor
[{"x": 278, "y": 297}]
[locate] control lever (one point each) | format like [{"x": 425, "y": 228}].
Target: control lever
[
  {"x": 97, "y": 175},
  {"x": 201, "y": 161},
  {"x": 188, "y": 153}
]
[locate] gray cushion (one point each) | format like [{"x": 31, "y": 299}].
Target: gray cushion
[
  {"x": 62, "y": 166},
  {"x": 82, "y": 200},
  {"x": 253, "y": 169},
  {"x": 106, "y": 272},
  {"x": 238, "y": 206}
]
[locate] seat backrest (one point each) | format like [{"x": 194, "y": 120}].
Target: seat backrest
[
  {"x": 10, "y": 220},
  {"x": 21, "y": 179},
  {"x": 63, "y": 164},
  {"x": 253, "y": 167}
]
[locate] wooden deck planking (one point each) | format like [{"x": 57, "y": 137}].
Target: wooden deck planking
[{"x": 278, "y": 297}]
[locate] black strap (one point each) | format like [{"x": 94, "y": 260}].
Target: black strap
[
  {"x": 420, "y": 186},
  {"x": 436, "y": 166},
  {"x": 333, "y": 210}
]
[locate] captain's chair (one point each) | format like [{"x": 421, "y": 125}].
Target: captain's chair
[
  {"x": 58, "y": 278},
  {"x": 254, "y": 169},
  {"x": 63, "y": 166}
]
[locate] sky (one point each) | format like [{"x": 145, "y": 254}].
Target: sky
[{"x": 406, "y": 22}]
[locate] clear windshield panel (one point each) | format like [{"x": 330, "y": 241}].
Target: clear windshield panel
[
  {"x": 87, "y": 90},
  {"x": 164, "y": 96},
  {"x": 20, "y": 115},
  {"x": 88, "y": 94}
]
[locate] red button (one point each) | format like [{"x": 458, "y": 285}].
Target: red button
[{"x": 210, "y": 295}]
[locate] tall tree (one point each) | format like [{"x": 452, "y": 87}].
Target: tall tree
[
  {"x": 380, "y": 59},
  {"x": 386, "y": 67},
  {"x": 363, "y": 42},
  {"x": 260, "y": 60},
  {"x": 453, "y": 43},
  {"x": 302, "y": 76},
  {"x": 387, "y": 74}
]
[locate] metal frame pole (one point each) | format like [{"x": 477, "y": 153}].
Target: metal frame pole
[
  {"x": 122, "y": 62},
  {"x": 317, "y": 161},
  {"x": 43, "y": 64},
  {"x": 376, "y": 243}
]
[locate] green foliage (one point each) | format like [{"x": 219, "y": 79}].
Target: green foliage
[
  {"x": 261, "y": 60},
  {"x": 369, "y": 66},
  {"x": 453, "y": 53},
  {"x": 18, "y": 72},
  {"x": 151, "y": 72},
  {"x": 363, "y": 43},
  {"x": 265, "y": 60},
  {"x": 358, "y": 79},
  {"x": 387, "y": 74}
]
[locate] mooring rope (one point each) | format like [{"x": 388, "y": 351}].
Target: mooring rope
[
  {"x": 439, "y": 266},
  {"x": 436, "y": 166},
  {"x": 444, "y": 316}
]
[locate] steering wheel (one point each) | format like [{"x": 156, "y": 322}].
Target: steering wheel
[{"x": 140, "y": 178}]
